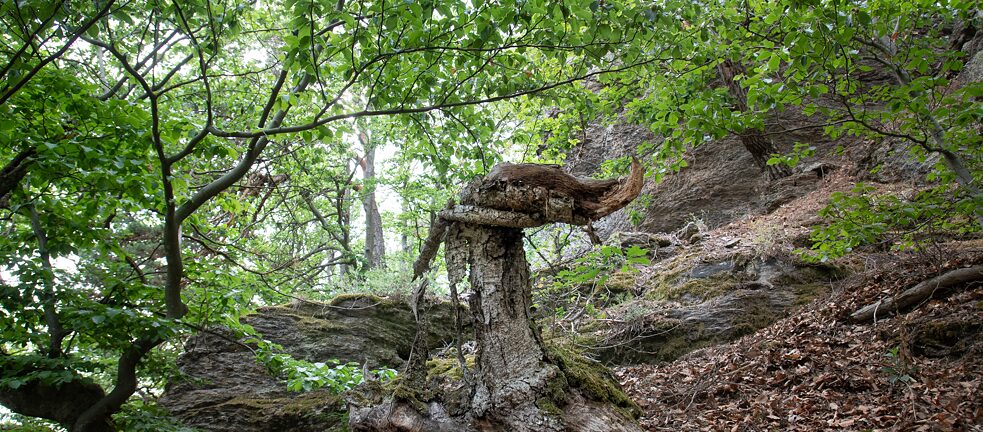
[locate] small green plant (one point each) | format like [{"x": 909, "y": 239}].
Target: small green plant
[
  {"x": 302, "y": 375},
  {"x": 864, "y": 217},
  {"x": 799, "y": 152},
  {"x": 597, "y": 266},
  {"x": 587, "y": 286},
  {"x": 139, "y": 416},
  {"x": 636, "y": 210},
  {"x": 897, "y": 367}
]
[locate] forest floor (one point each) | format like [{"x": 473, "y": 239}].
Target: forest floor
[{"x": 817, "y": 370}]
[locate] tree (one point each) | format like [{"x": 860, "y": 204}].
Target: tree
[
  {"x": 121, "y": 116},
  {"x": 375, "y": 242},
  {"x": 519, "y": 383},
  {"x": 754, "y": 141}
]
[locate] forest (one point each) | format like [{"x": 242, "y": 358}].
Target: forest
[{"x": 484, "y": 215}]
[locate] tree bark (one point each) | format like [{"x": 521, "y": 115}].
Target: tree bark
[
  {"x": 60, "y": 403},
  {"x": 12, "y": 173},
  {"x": 512, "y": 368},
  {"x": 375, "y": 242},
  {"x": 754, "y": 141},
  {"x": 344, "y": 219},
  {"x": 519, "y": 384}
]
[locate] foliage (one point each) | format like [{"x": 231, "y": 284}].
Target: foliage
[
  {"x": 19, "y": 423},
  {"x": 897, "y": 367},
  {"x": 799, "y": 152},
  {"x": 139, "y": 416},
  {"x": 172, "y": 165},
  {"x": 301, "y": 375},
  {"x": 866, "y": 217},
  {"x": 591, "y": 281},
  {"x": 596, "y": 267}
]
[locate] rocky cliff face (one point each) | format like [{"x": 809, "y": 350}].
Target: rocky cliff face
[{"x": 224, "y": 389}]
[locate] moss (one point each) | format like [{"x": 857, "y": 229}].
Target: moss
[
  {"x": 356, "y": 299},
  {"x": 592, "y": 379},
  {"x": 806, "y": 293},
  {"x": 448, "y": 367},
  {"x": 416, "y": 396},
  {"x": 670, "y": 341},
  {"x": 307, "y": 322},
  {"x": 322, "y": 406},
  {"x": 701, "y": 288},
  {"x": 621, "y": 281},
  {"x": 548, "y": 406}
]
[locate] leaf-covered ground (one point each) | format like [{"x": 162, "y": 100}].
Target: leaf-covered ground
[{"x": 815, "y": 370}]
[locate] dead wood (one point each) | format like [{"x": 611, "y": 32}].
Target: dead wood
[
  {"x": 545, "y": 194},
  {"x": 432, "y": 244},
  {"x": 490, "y": 217},
  {"x": 918, "y": 293},
  {"x": 515, "y": 384},
  {"x": 617, "y": 198}
]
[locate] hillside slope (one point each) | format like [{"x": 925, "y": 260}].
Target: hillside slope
[{"x": 815, "y": 370}]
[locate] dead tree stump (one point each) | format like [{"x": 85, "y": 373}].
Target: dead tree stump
[{"x": 519, "y": 384}]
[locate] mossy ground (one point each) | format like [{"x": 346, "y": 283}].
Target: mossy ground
[{"x": 593, "y": 379}]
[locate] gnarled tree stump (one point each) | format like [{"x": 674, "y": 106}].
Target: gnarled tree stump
[{"x": 519, "y": 384}]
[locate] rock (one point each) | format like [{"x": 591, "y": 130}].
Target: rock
[
  {"x": 644, "y": 240},
  {"x": 819, "y": 169},
  {"x": 693, "y": 304},
  {"x": 223, "y": 388},
  {"x": 972, "y": 71},
  {"x": 689, "y": 230}
]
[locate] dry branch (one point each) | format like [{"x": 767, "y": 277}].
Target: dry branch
[{"x": 918, "y": 293}]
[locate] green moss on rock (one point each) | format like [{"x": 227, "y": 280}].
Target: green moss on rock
[
  {"x": 593, "y": 380},
  {"x": 442, "y": 367},
  {"x": 700, "y": 288},
  {"x": 806, "y": 293},
  {"x": 295, "y": 411},
  {"x": 357, "y": 299},
  {"x": 621, "y": 281}
]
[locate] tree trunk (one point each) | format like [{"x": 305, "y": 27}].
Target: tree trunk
[
  {"x": 343, "y": 215},
  {"x": 917, "y": 294},
  {"x": 62, "y": 403},
  {"x": 519, "y": 384},
  {"x": 512, "y": 368},
  {"x": 375, "y": 242},
  {"x": 754, "y": 141}
]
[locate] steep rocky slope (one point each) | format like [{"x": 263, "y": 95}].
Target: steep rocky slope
[{"x": 817, "y": 370}]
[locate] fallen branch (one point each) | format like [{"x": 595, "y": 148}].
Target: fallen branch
[{"x": 918, "y": 293}]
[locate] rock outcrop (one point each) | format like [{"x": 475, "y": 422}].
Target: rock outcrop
[
  {"x": 224, "y": 389},
  {"x": 686, "y": 301}
]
